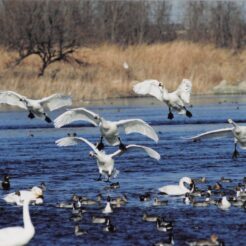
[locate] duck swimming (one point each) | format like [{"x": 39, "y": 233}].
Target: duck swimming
[{"x": 6, "y": 182}]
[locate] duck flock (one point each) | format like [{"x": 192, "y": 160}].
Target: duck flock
[{"x": 192, "y": 192}]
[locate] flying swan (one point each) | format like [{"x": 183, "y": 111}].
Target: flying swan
[
  {"x": 36, "y": 108},
  {"x": 178, "y": 190},
  {"x": 236, "y": 131},
  {"x": 17, "y": 236},
  {"x": 108, "y": 129},
  {"x": 105, "y": 162},
  {"x": 175, "y": 100}
]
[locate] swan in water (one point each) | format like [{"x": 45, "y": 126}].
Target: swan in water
[
  {"x": 175, "y": 100},
  {"x": 17, "y": 236},
  {"x": 108, "y": 129},
  {"x": 236, "y": 131},
  {"x": 178, "y": 190},
  {"x": 34, "y": 195},
  {"x": 105, "y": 162},
  {"x": 36, "y": 108}
]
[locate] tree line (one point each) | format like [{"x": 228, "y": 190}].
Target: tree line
[{"x": 54, "y": 29}]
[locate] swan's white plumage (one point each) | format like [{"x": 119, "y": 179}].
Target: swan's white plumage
[
  {"x": 133, "y": 147},
  {"x": 32, "y": 195},
  {"x": 12, "y": 98},
  {"x": 109, "y": 129},
  {"x": 56, "y": 101},
  {"x": 214, "y": 134},
  {"x": 18, "y": 236},
  {"x": 177, "y": 190},
  {"x": 149, "y": 87},
  {"x": 184, "y": 90},
  {"x": 139, "y": 126},
  {"x": 76, "y": 115}
]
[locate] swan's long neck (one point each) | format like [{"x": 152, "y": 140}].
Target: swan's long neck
[
  {"x": 26, "y": 217},
  {"x": 182, "y": 186},
  {"x": 232, "y": 123},
  {"x": 165, "y": 94}
]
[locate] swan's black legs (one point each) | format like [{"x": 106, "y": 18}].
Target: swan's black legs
[
  {"x": 121, "y": 145},
  {"x": 170, "y": 114},
  {"x": 31, "y": 115},
  {"x": 187, "y": 112},
  {"x": 235, "y": 152},
  {"x": 47, "y": 119},
  {"x": 100, "y": 145}
]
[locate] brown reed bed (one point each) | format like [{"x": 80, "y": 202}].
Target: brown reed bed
[{"x": 102, "y": 74}]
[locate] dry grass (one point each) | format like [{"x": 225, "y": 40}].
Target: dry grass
[{"x": 105, "y": 77}]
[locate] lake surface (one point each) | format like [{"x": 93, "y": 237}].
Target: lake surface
[{"x": 29, "y": 155}]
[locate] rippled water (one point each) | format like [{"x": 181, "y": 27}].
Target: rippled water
[{"x": 29, "y": 155}]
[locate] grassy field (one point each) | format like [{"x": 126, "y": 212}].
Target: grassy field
[{"x": 103, "y": 75}]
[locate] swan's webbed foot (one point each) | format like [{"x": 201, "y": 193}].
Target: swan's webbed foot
[
  {"x": 188, "y": 113},
  {"x": 122, "y": 146},
  {"x": 31, "y": 115},
  {"x": 170, "y": 115},
  {"x": 100, "y": 145},
  {"x": 235, "y": 154},
  {"x": 47, "y": 119}
]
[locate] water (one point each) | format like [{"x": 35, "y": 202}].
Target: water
[{"x": 29, "y": 155}]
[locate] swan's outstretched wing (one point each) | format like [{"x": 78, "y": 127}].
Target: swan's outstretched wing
[
  {"x": 184, "y": 90},
  {"x": 132, "y": 147},
  {"x": 56, "y": 101},
  {"x": 75, "y": 115},
  {"x": 12, "y": 98},
  {"x": 149, "y": 87},
  {"x": 214, "y": 134},
  {"x": 70, "y": 141},
  {"x": 139, "y": 126}
]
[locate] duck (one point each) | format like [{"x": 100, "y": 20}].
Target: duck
[
  {"x": 109, "y": 226},
  {"x": 77, "y": 217},
  {"x": 158, "y": 202},
  {"x": 200, "y": 180},
  {"x": 119, "y": 201},
  {"x": 170, "y": 241},
  {"x": 13, "y": 236},
  {"x": 113, "y": 186},
  {"x": 223, "y": 203},
  {"x": 178, "y": 190},
  {"x": 79, "y": 232},
  {"x": 145, "y": 197},
  {"x": 238, "y": 133},
  {"x": 200, "y": 203},
  {"x": 213, "y": 241},
  {"x": 105, "y": 162},
  {"x": 108, "y": 209},
  {"x": 35, "y": 194},
  {"x": 64, "y": 205},
  {"x": 162, "y": 225},
  {"x": 187, "y": 199},
  {"x": 109, "y": 129},
  {"x": 225, "y": 180},
  {"x": 149, "y": 218},
  {"x": 176, "y": 100},
  {"x": 6, "y": 182},
  {"x": 217, "y": 186},
  {"x": 99, "y": 219},
  {"x": 36, "y": 108}
]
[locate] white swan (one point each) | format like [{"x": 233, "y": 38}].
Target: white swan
[
  {"x": 236, "y": 131},
  {"x": 178, "y": 190},
  {"x": 105, "y": 162},
  {"x": 17, "y": 236},
  {"x": 36, "y": 108},
  {"x": 175, "y": 100},
  {"x": 109, "y": 129},
  {"x": 35, "y": 195}
]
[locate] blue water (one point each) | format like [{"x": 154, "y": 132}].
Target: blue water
[{"x": 29, "y": 155}]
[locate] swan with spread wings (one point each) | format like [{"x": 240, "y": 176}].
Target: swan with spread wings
[
  {"x": 36, "y": 108},
  {"x": 175, "y": 100},
  {"x": 105, "y": 162}
]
